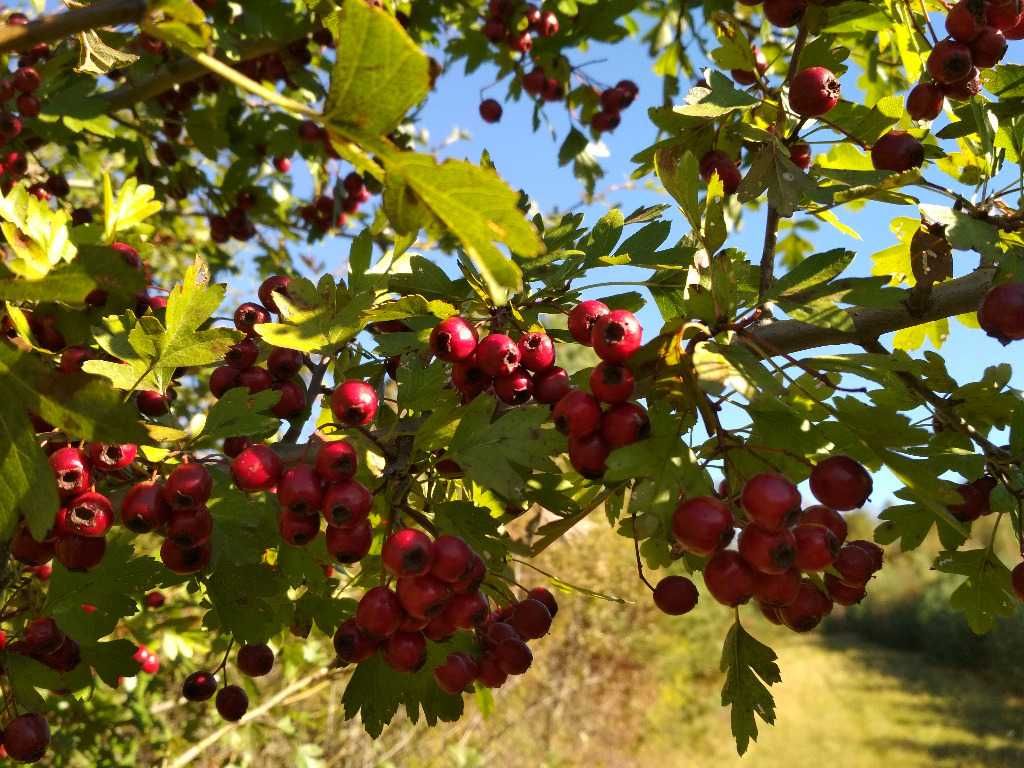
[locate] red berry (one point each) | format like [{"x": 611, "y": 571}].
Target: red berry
[
  {"x": 718, "y": 162},
  {"x": 548, "y": 24},
  {"x": 26, "y": 738},
  {"x": 813, "y": 91},
  {"x": 257, "y": 468},
  {"x": 469, "y": 378},
  {"x": 232, "y": 703},
  {"x": 531, "y": 619},
  {"x": 42, "y": 636},
  {"x": 854, "y": 565},
  {"x": 336, "y": 461},
  {"x": 155, "y": 599},
  {"x": 1017, "y": 579},
  {"x": 807, "y": 611},
  {"x": 354, "y": 403},
  {"x": 964, "y": 90},
  {"x": 828, "y": 518},
  {"x": 466, "y": 610},
  {"x": 292, "y": 401},
  {"x": 513, "y": 656},
  {"x": 144, "y": 508},
  {"x": 961, "y": 22},
  {"x": 784, "y": 13},
  {"x": 975, "y": 499},
  {"x": 490, "y": 111},
  {"x": 495, "y": 31},
  {"x": 406, "y": 651},
  {"x": 243, "y": 354},
  {"x": 702, "y": 525},
  {"x": 407, "y": 552},
  {"x": 80, "y": 553},
  {"x": 490, "y": 673},
  {"x": 185, "y": 561},
  {"x": 771, "y": 500},
  {"x": 283, "y": 363},
  {"x": 68, "y": 656},
  {"x": 152, "y": 403},
  {"x": 675, "y": 595},
  {"x": 451, "y": 558},
  {"x": 582, "y": 319},
  {"x": 71, "y": 470},
  {"x": 255, "y": 660},
  {"x": 273, "y": 285},
  {"x": 577, "y": 414},
  {"x": 497, "y": 355},
  {"x": 520, "y": 42},
  {"x": 89, "y": 515},
  {"x": 1015, "y": 32},
  {"x": 625, "y": 424},
  {"x": 299, "y": 490},
  {"x": 551, "y": 385},
  {"x": 1002, "y": 312},
  {"x": 235, "y": 445},
  {"x": 111, "y": 457},
  {"x": 612, "y": 383},
  {"x": 777, "y": 590},
  {"x": 841, "y": 483},
  {"x": 1003, "y": 14},
  {"x": 616, "y": 336},
  {"x": 422, "y": 597},
  {"x": 190, "y": 528},
  {"x": 72, "y": 358},
  {"x": 534, "y": 82},
  {"x": 311, "y": 132},
  {"x": 379, "y": 612},
  {"x": 188, "y": 486},
  {"x": 925, "y": 101},
  {"x": 297, "y": 529},
  {"x": 816, "y": 547},
  {"x": 249, "y": 315},
  {"x": 950, "y": 61},
  {"x": 27, "y": 550},
  {"x": 282, "y": 164},
  {"x": 767, "y": 551},
  {"x": 844, "y": 594},
  {"x": 629, "y": 88},
  {"x": 255, "y": 379},
  {"x": 516, "y": 388},
  {"x": 26, "y": 79},
  {"x": 897, "y": 151},
  {"x": 199, "y": 686},
  {"x": 346, "y": 503},
  {"x": 222, "y": 379},
  {"x": 349, "y": 544},
  {"x": 728, "y": 578},
  {"x": 352, "y": 644},
  {"x": 536, "y": 351},
  {"x": 800, "y": 154},
  {"x": 748, "y": 77},
  {"x": 544, "y": 596},
  {"x": 456, "y": 674}
]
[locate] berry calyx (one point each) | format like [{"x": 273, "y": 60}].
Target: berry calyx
[
  {"x": 189, "y": 486},
  {"x": 249, "y": 315},
  {"x": 949, "y": 61},
  {"x": 611, "y": 383},
  {"x": 111, "y": 457},
  {"x": 497, "y": 355},
  {"x": 89, "y": 514},
  {"x": 702, "y": 525},
  {"x": 813, "y": 91},
  {"x": 616, "y": 336},
  {"x": 71, "y": 469},
  {"x": 536, "y": 351},
  {"x": 675, "y": 595},
  {"x": 346, "y": 503},
  {"x": 841, "y": 483},
  {"x": 354, "y": 403}
]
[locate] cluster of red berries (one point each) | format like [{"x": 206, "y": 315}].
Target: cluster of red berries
[
  {"x": 328, "y": 212},
  {"x": 232, "y": 702},
  {"x": 20, "y": 86},
  {"x": 1001, "y": 314},
  {"x": 282, "y": 365},
  {"x": 777, "y": 544},
  {"x": 514, "y": 24},
  {"x": 613, "y": 101}
]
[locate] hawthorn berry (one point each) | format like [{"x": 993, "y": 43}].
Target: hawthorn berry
[
  {"x": 771, "y": 500},
  {"x": 67, "y": 656},
  {"x": 26, "y": 738},
  {"x": 784, "y": 13},
  {"x": 379, "y": 612},
  {"x": 152, "y": 403},
  {"x": 354, "y": 403},
  {"x": 299, "y": 490},
  {"x": 844, "y": 594},
  {"x": 232, "y": 703},
  {"x": 543, "y": 595},
  {"x": 242, "y": 354},
  {"x": 199, "y": 686},
  {"x": 155, "y": 599},
  {"x": 346, "y": 503},
  {"x": 255, "y": 379},
  {"x": 25, "y": 549},
  {"x": 1017, "y": 579},
  {"x": 767, "y": 551},
  {"x": 988, "y": 47},
  {"x": 422, "y": 596},
  {"x": 728, "y": 578},
  {"x": 604, "y": 121},
  {"x": 616, "y": 336},
  {"x": 975, "y": 497},
  {"x": 897, "y": 151},
  {"x": 71, "y": 470},
  {"x": 297, "y": 529},
  {"x": 190, "y": 528},
  {"x": 336, "y": 461},
  {"x": 702, "y": 525},
  {"x": 497, "y": 355},
  {"x": 747, "y": 76},
  {"x": 800, "y": 154},
  {"x": 624, "y": 424},
  {"x": 816, "y": 547},
  {"x": 516, "y": 388},
  {"x": 949, "y": 61},
  {"x": 813, "y": 92},
  {"x": 184, "y": 561},
  {"x": 873, "y": 551},
  {"x": 257, "y": 468},
  {"x": 249, "y": 315},
  {"x": 841, "y": 483},
  {"x": 964, "y": 90},
  {"x": 807, "y": 611},
  {"x": 578, "y": 414},
  {"x": 451, "y": 558},
  {"x": 255, "y": 659},
  {"x": 89, "y": 514},
  {"x": 273, "y": 285},
  {"x": 490, "y": 674},
  {"x": 550, "y": 386},
  {"x": 466, "y": 610},
  {"x": 777, "y": 590},
  {"x": 513, "y": 656},
  {"x": 292, "y": 401},
  {"x": 490, "y": 111},
  {"x": 961, "y": 22},
  {"x": 473, "y": 577},
  {"x": 352, "y": 644},
  {"x": 407, "y": 552},
  {"x": 144, "y": 508},
  {"x": 1001, "y": 315},
  {"x": 718, "y": 162},
  {"x": 110, "y": 457},
  {"x": 611, "y": 383},
  {"x": 582, "y": 319},
  {"x": 42, "y": 636},
  {"x": 675, "y": 595},
  {"x": 80, "y": 553},
  {"x": 925, "y": 101},
  {"x": 531, "y": 619},
  {"x": 406, "y": 651},
  {"x": 854, "y": 565},
  {"x": 536, "y": 351},
  {"x": 222, "y": 379},
  {"x": 351, "y": 543},
  {"x": 283, "y": 363},
  {"x": 1003, "y": 14},
  {"x": 188, "y": 486},
  {"x": 456, "y": 673}
]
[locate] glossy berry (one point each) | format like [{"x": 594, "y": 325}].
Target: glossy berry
[
  {"x": 807, "y": 611},
  {"x": 232, "y": 703},
  {"x": 257, "y": 468},
  {"x": 513, "y": 656},
  {"x": 242, "y": 354},
  {"x": 767, "y": 551},
  {"x": 536, "y": 351},
  {"x": 71, "y": 470},
  {"x": 422, "y": 597},
  {"x": 828, "y": 518},
  {"x": 255, "y": 379},
  {"x": 777, "y": 590},
  {"x": 351, "y": 543},
  {"x": 199, "y": 686},
  {"x": 718, "y": 162},
  {"x": 110, "y": 457},
  {"x": 354, "y": 403},
  {"x": 844, "y": 594},
  {"x": 1003, "y": 14},
  {"x": 144, "y": 508},
  {"x": 89, "y": 514},
  {"x": 784, "y": 13},
  {"x": 813, "y": 92},
  {"x": 490, "y": 111},
  {"x": 961, "y": 22},
  {"x": 1001, "y": 315},
  {"x": 456, "y": 673},
  {"x": 625, "y": 424},
  {"x": 80, "y": 553},
  {"x": 42, "y": 636},
  {"x": 283, "y": 363},
  {"x": 800, "y": 154},
  {"x": 582, "y": 319},
  {"x": 188, "y": 486},
  {"x": 406, "y": 651},
  {"x": 988, "y": 48},
  {"x": 297, "y": 529},
  {"x": 255, "y": 660},
  {"x": 551, "y": 385},
  {"x": 190, "y": 528},
  {"x": 841, "y": 483},
  {"x": 516, "y": 388},
  {"x": 702, "y": 525},
  {"x": 379, "y": 612},
  {"x": 675, "y": 595},
  {"x": 577, "y": 414},
  {"x": 611, "y": 383},
  {"x": 292, "y": 401},
  {"x": 949, "y": 61},
  {"x": 897, "y": 151},
  {"x": 490, "y": 674},
  {"x": 451, "y": 558},
  {"x": 26, "y": 738},
  {"x": 275, "y": 284},
  {"x": 249, "y": 315},
  {"x": 531, "y": 619},
  {"x": 616, "y": 336},
  {"x": 222, "y": 379},
  {"x": 497, "y": 355},
  {"x": 336, "y": 461},
  {"x": 407, "y": 552},
  {"x": 346, "y": 502},
  {"x": 854, "y": 565},
  {"x": 352, "y": 644},
  {"x": 185, "y": 561},
  {"x": 771, "y": 500},
  {"x": 28, "y": 551},
  {"x": 473, "y": 577},
  {"x": 816, "y": 547},
  {"x": 544, "y": 596},
  {"x": 728, "y": 578},
  {"x": 453, "y": 339},
  {"x": 299, "y": 490},
  {"x": 925, "y": 101}
]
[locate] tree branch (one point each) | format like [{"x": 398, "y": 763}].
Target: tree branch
[
  {"x": 57, "y": 26},
  {"x": 954, "y": 297},
  {"x": 771, "y": 236}
]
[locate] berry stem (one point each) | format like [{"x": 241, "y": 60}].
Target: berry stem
[{"x": 636, "y": 550}]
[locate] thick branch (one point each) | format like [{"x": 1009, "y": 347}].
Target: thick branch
[
  {"x": 57, "y": 26},
  {"x": 955, "y": 297}
]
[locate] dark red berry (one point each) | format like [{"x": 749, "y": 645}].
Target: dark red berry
[
  {"x": 854, "y": 565},
  {"x": 232, "y": 703},
  {"x": 807, "y": 611},
  {"x": 728, "y": 578},
  {"x": 71, "y": 470},
  {"x": 336, "y": 461},
  {"x": 1001, "y": 315},
  {"x": 675, "y": 595},
  {"x": 379, "y": 612},
  {"x": 771, "y": 500},
  {"x": 897, "y": 151},
  {"x": 42, "y": 636},
  {"x": 577, "y": 414},
  {"x": 813, "y": 91},
  {"x": 28, "y": 551},
  {"x": 352, "y": 644},
  {"x": 625, "y": 424},
  {"x": 777, "y": 590},
  {"x": 582, "y": 319},
  {"x": 144, "y": 508},
  {"x": 255, "y": 379},
  {"x": 349, "y": 544},
  {"x": 551, "y": 386},
  {"x": 816, "y": 547},
  {"x": 490, "y": 111},
  {"x": 497, "y": 355},
  {"x": 611, "y": 383},
  {"x": 800, "y": 154},
  {"x": 841, "y": 483},
  {"x": 275, "y": 284},
  {"x": 407, "y": 552},
  {"x": 961, "y": 22},
  {"x": 516, "y": 388},
  {"x": 80, "y": 553},
  {"x": 110, "y": 457},
  {"x": 844, "y": 594},
  {"x": 451, "y": 558},
  {"x": 89, "y": 514},
  {"x": 26, "y": 738},
  {"x": 456, "y": 674},
  {"x": 299, "y": 490},
  {"x": 949, "y": 61},
  {"x": 190, "y": 528},
  {"x": 185, "y": 561},
  {"x": 784, "y": 13},
  {"x": 354, "y": 403},
  {"x": 702, "y": 525},
  {"x": 255, "y": 660},
  {"x": 297, "y": 529},
  {"x": 718, "y": 162},
  {"x": 249, "y": 315},
  {"x": 199, "y": 686},
  {"x": 925, "y": 101},
  {"x": 188, "y": 486},
  {"x": 243, "y": 354},
  {"x": 257, "y": 468},
  {"x": 513, "y": 656},
  {"x": 767, "y": 551}
]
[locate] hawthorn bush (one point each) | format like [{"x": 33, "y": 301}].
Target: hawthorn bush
[{"x": 325, "y": 474}]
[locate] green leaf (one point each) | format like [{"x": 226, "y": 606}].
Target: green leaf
[
  {"x": 772, "y": 170},
  {"x": 112, "y": 660},
  {"x": 333, "y": 317},
  {"x": 132, "y": 205},
  {"x": 679, "y": 176},
  {"x": 379, "y": 74},
  {"x": 910, "y": 524},
  {"x": 986, "y": 594},
  {"x": 240, "y": 413},
  {"x": 26, "y": 480},
  {"x": 474, "y": 525},
  {"x": 476, "y": 206},
  {"x": 95, "y": 268},
  {"x": 376, "y": 691},
  {"x": 250, "y": 601},
  {"x": 813, "y": 271},
  {"x": 720, "y": 99},
  {"x": 38, "y": 237},
  {"x": 750, "y": 669},
  {"x": 97, "y": 58}
]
